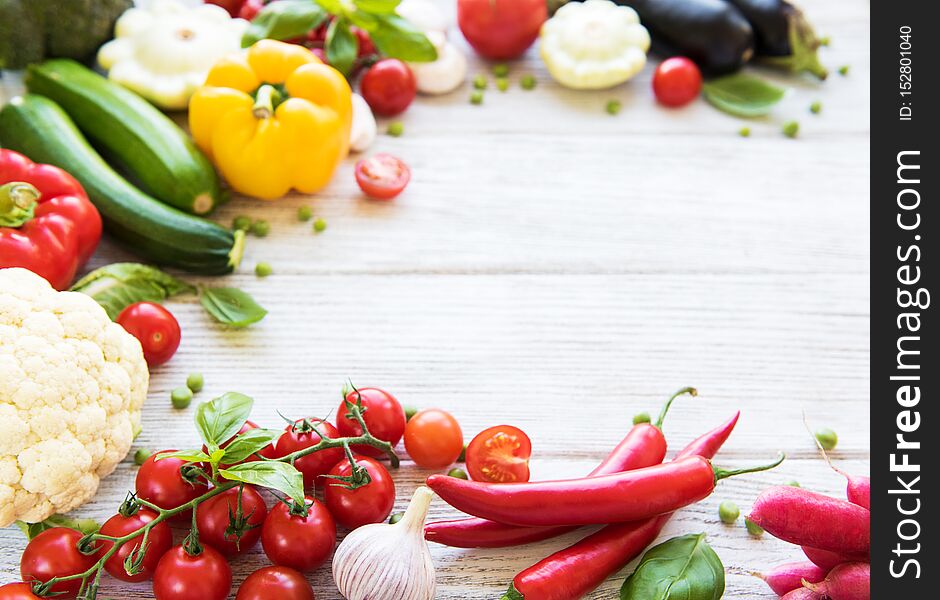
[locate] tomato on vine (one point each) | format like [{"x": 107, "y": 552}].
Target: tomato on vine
[
  {"x": 383, "y": 414},
  {"x": 499, "y": 455},
  {"x": 352, "y": 501},
  {"x": 155, "y": 328},
  {"x": 55, "y": 553},
  {"x": 162, "y": 483},
  {"x": 200, "y": 576},
  {"x": 278, "y": 582},
  {"x": 303, "y": 434},
  {"x": 229, "y": 526},
  {"x": 19, "y": 591},
  {"x": 129, "y": 519},
  {"x": 299, "y": 537}
]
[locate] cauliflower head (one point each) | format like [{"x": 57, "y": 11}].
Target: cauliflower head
[{"x": 72, "y": 384}]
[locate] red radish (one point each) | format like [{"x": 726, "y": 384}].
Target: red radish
[
  {"x": 806, "y": 518},
  {"x": 790, "y": 576},
  {"x": 829, "y": 560},
  {"x": 858, "y": 489},
  {"x": 850, "y": 581},
  {"x": 801, "y": 594}
]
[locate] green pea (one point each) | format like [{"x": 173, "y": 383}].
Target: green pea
[
  {"x": 304, "y": 213},
  {"x": 241, "y": 223},
  {"x": 195, "y": 382},
  {"x": 613, "y": 107},
  {"x": 458, "y": 473},
  {"x": 827, "y": 438},
  {"x": 142, "y": 455},
  {"x": 825, "y": 41},
  {"x": 753, "y": 528},
  {"x": 261, "y": 228},
  {"x": 502, "y": 84},
  {"x": 410, "y": 411},
  {"x": 181, "y": 397},
  {"x": 844, "y": 70},
  {"x": 479, "y": 82},
  {"x": 396, "y": 518},
  {"x": 744, "y": 132},
  {"x": 793, "y": 483},
  {"x": 319, "y": 225},
  {"x": 643, "y": 417},
  {"x": 501, "y": 70},
  {"x": 815, "y": 107},
  {"x": 463, "y": 455},
  {"x": 527, "y": 82},
  {"x": 791, "y": 129},
  {"x": 476, "y": 97},
  {"x": 728, "y": 512},
  {"x": 396, "y": 128},
  {"x": 263, "y": 269}
]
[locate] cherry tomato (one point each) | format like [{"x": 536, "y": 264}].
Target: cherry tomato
[
  {"x": 299, "y": 541},
  {"x": 19, "y": 591},
  {"x": 383, "y": 415},
  {"x": 382, "y": 176},
  {"x": 501, "y": 29},
  {"x": 231, "y": 6},
  {"x": 54, "y": 553},
  {"x": 499, "y": 455},
  {"x": 278, "y": 582},
  {"x": 249, "y": 9},
  {"x": 677, "y": 81},
  {"x": 160, "y": 482},
  {"x": 371, "y": 503},
  {"x": 389, "y": 87},
  {"x": 156, "y": 329},
  {"x": 433, "y": 439},
  {"x": 267, "y": 451},
  {"x": 180, "y": 576},
  {"x": 215, "y": 515},
  {"x": 301, "y": 435},
  {"x": 159, "y": 540},
  {"x": 366, "y": 45}
]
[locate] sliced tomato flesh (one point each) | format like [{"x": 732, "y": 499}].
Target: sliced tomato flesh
[{"x": 499, "y": 455}]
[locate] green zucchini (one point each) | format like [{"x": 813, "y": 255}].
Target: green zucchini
[
  {"x": 143, "y": 141},
  {"x": 40, "y": 129}
]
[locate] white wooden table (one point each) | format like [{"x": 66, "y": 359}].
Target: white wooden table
[{"x": 560, "y": 269}]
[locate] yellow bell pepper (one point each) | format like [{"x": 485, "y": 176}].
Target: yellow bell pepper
[{"x": 273, "y": 118}]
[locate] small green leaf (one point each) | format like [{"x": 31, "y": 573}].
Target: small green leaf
[
  {"x": 222, "y": 417},
  {"x": 231, "y": 306},
  {"x": 248, "y": 443},
  {"x": 117, "y": 286},
  {"x": 683, "y": 568},
  {"x": 283, "y": 20},
  {"x": 279, "y": 476},
  {"x": 378, "y": 7},
  {"x": 31, "y": 530},
  {"x": 342, "y": 46},
  {"x": 397, "y": 38},
  {"x": 742, "y": 95},
  {"x": 187, "y": 455}
]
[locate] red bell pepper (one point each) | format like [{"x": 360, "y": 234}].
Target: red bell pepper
[{"x": 47, "y": 223}]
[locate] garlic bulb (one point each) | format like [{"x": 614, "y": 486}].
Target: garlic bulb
[{"x": 388, "y": 562}]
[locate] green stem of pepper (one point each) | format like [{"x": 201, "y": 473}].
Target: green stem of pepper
[{"x": 17, "y": 203}]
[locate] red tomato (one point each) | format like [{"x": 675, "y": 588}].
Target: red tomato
[
  {"x": 382, "y": 176},
  {"x": 249, "y": 9},
  {"x": 156, "y": 329},
  {"x": 301, "y": 435},
  {"x": 433, "y": 439},
  {"x": 282, "y": 583},
  {"x": 160, "y": 482},
  {"x": 159, "y": 541},
  {"x": 298, "y": 541},
  {"x": 180, "y": 576},
  {"x": 267, "y": 451},
  {"x": 499, "y": 455},
  {"x": 231, "y": 6},
  {"x": 54, "y": 553},
  {"x": 19, "y": 591},
  {"x": 389, "y": 87},
  {"x": 383, "y": 415},
  {"x": 371, "y": 503},
  {"x": 501, "y": 29},
  {"x": 213, "y": 519},
  {"x": 366, "y": 45},
  {"x": 677, "y": 81}
]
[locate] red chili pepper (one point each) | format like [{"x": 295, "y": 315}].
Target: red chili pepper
[
  {"x": 575, "y": 571},
  {"x": 643, "y": 446},
  {"x": 47, "y": 223}
]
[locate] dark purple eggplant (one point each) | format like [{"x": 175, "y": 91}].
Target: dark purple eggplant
[
  {"x": 783, "y": 35},
  {"x": 712, "y": 33}
]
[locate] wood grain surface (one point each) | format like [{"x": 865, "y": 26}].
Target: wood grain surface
[{"x": 560, "y": 269}]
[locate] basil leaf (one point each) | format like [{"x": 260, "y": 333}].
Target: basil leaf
[
  {"x": 683, "y": 568},
  {"x": 334, "y": 7},
  {"x": 248, "y": 443},
  {"x": 231, "y": 306},
  {"x": 283, "y": 20},
  {"x": 222, "y": 417},
  {"x": 381, "y": 7},
  {"x": 187, "y": 455},
  {"x": 276, "y": 475},
  {"x": 397, "y": 38},
  {"x": 31, "y": 530},
  {"x": 117, "y": 286},
  {"x": 742, "y": 95},
  {"x": 342, "y": 46}
]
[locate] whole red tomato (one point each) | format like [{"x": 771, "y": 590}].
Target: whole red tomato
[
  {"x": 54, "y": 553},
  {"x": 215, "y": 515},
  {"x": 383, "y": 415},
  {"x": 267, "y": 451},
  {"x": 677, "y": 81},
  {"x": 433, "y": 438},
  {"x": 371, "y": 503},
  {"x": 162, "y": 483},
  {"x": 231, "y": 6},
  {"x": 501, "y": 29},
  {"x": 249, "y": 9},
  {"x": 19, "y": 591},
  {"x": 389, "y": 86},
  {"x": 366, "y": 45},
  {"x": 159, "y": 540},
  {"x": 278, "y": 582},
  {"x": 181, "y": 576},
  {"x": 298, "y": 537},
  {"x": 156, "y": 329},
  {"x": 499, "y": 455},
  {"x": 301, "y": 435}
]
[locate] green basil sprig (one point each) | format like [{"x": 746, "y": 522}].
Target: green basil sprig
[
  {"x": 222, "y": 417},
  {"x": 284, "y": 20},
  {"x": 119, "y": 285},
  {"x": 231, "y": 306},
  {"x": 742, "y": 95},
  {"x": 683, "y": 568},
  {"x": 279, "y": 476}
]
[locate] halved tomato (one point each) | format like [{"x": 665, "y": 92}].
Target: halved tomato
[
  {"x": 499, "y": 455},
  {"x": 382, "y": 176}
]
